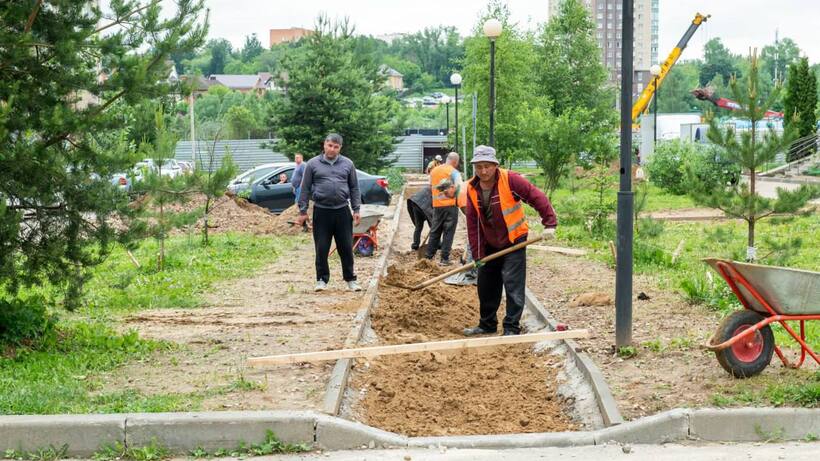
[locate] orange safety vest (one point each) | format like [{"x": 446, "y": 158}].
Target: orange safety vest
[
  {"x": 461, "y": 198},
  {"x": 438, "y": 174},
  {"x": 511, "y": 209}
]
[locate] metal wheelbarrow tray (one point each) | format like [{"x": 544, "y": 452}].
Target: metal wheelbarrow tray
[{"x": 744, "y": 342}]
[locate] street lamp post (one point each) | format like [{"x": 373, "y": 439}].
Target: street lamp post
[
  {"x": 655, "y": 70},
  {"x": 455, "y": 79},
  {"x": 446, "y": 101},
  {"x": 492, "y": 29}
]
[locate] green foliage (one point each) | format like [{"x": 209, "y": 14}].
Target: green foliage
[
  {"x": 220, "y": 52},
  {"x": 329, "y": 92},
  {"x": 627, "y": 352},
  {"x": 395, "y": 179},
  {"x": 674, "y": 94},
  {"x": 212, "y": 183},
  {"x": 25, "y": 320},
  {"x": 242, "y": 115},
  {"x": 700, "y": 287},
  {"x": 800, "y": 103},
  {"x": 54, "y": 375},
  {"x": 435, "y": 50},
  {"x": 51, "y": 453},
  {"x": 252, "y": 48},
  {"x": 161, "y": 191},
  {"x": 59, "y": 142},
  {"x": 777, "y": 57},
  {"x": 603, "y": 205},
  {"x": 666, "y": 166},
  {"x": 680, "y": 166},
  {"x": 717, "y": 61},
  {"x": 802, "y": 391},
  {"x": 514, "y": 81},
  {"x": 117, "y": 451},
  {"x": 270, "y": 446}
]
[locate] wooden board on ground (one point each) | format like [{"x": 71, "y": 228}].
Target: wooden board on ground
[
  {"x": 561, "y": 250},
  {"x": 375, "y": 351}
]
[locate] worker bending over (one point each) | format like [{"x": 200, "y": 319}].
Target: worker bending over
[
  {"x": 495, "y": 221},
  {"x": 445, "y": 212},
  {"x": 420, "y": 209}
]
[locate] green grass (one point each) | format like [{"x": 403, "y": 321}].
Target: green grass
[
  {"x": 63, "y": 371},
  {"x": 796, "y": 388},
  {"x": 270, "y": 446},
  {"x": 190, "y": 270}
]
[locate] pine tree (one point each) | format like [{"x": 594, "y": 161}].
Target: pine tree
[
  {"x": 64, "y": 64},
  {"x": 751, "y": 150},
  {"x": 800, "y": 103},
  {"x": 327, "y": 91}
]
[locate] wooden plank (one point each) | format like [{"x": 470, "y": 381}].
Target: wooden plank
[
  {"x": 375, "y": 351},
  {"x": 561, "y": 250}
]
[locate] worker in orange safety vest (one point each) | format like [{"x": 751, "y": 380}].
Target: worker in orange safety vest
[{"x": 445, "y": 212}]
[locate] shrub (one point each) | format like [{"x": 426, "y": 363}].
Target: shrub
[
  {"x": 24, "y": 320},
  {"x": 395, "y": 179},
  {"x": 678, "y": 167}
]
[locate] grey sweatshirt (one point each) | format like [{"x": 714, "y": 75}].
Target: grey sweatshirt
[{"x": 330, "y": 184}]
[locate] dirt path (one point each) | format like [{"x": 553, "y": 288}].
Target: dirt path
[
  {"x": 274, "y": 311},
  {"x": 500, "y": 390}
]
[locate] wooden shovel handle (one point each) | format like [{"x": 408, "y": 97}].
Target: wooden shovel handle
[{"x": 471, "y": 265}]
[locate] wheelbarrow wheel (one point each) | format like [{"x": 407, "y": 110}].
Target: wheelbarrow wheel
[{"x": 750, "y": 355}]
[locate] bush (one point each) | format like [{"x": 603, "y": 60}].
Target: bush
[
  {"x": 678, "y": 167},
  {"x": 24, "y": 320},
  {"x": 395, "y": 179}
]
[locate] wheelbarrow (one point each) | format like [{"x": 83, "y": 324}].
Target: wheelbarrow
[
  {"x": 365, "y": 234},
  {"x": 744, "y": 342}
]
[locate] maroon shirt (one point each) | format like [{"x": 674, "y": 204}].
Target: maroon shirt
[{"x": 488, "y": 236}]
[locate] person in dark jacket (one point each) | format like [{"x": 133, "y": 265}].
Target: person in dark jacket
[
  {"x": 495, "y": 221},
  {"x": 420, "y": 209},
  {"x": 330, "y": 181}
]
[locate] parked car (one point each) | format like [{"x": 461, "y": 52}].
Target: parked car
[
  {"x": 170, "y": 167},
  {"x": 186, "y": 167},
  {"x": 121, "y": 181},
  {"x": 428, "y": 101},
  {"x": 268, "y": 192},
  {"x": 244, "y": 180}
]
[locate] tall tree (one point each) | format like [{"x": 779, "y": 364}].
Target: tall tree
[
  {"x": 59, "y": 141},
  {"x": 251, "y": 49},
  {"x": 514, "y": 81},
  {"x": 220, "y": 53},
  {"x": 777, "y": 57},
  {"x": 750, "y": 151},
  {"x": 717, "y": 60},
  {"x": 328, "y": 92},
  {"x": 801, "y": 99},
  {"x": 576, "y": 103},
  {"x": 674, "y": 95}
]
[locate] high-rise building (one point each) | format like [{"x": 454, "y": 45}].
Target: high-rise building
[{"x": 608, "y": 16}]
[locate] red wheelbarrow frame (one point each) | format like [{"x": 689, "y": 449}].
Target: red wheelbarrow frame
[
  {"x": 372, "y": 234},
  {"x": 733, "y": 278}
]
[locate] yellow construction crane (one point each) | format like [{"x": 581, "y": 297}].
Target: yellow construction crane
[{"x": 649, "y": 91}]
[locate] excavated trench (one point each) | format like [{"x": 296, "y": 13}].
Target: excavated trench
[{"x": 495, "y": 390}]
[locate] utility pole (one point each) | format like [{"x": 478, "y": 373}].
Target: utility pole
[{"x": 623, "y": 264}]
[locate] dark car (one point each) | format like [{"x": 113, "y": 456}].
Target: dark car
[{"x": 269, "y": 192}]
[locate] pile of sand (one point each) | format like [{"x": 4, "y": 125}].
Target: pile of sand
[{"x": 234, "y": 214}]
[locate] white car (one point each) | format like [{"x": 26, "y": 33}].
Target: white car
[{"x": 169, "y": 168}]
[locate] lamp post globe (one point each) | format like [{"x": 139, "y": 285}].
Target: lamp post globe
[
  {"x": 492, "y": 28},
  {"x": 455, "y": 79}
]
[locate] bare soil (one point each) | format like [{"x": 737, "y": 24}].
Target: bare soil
[
  {"x": 670, "y": 370},
  {"x": 274, "y": 311},
  {"x": 230, "y": 213},
  {"x": 498, "y": 390}
]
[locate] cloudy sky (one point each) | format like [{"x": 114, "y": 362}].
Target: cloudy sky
[{"x": 739, "y": 23}]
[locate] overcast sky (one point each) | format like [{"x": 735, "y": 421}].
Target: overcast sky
[{"x": 739, "y": 23}]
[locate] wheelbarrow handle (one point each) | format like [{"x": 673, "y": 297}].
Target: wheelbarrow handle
[{"x": 478, "y": 263}]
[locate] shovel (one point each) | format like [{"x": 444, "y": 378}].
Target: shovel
[
  {"x": 471, "y": 265},
  {"x": 422, "y": 250}
]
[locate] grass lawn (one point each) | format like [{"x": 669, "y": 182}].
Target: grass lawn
[{"x": 61, "y": 372}]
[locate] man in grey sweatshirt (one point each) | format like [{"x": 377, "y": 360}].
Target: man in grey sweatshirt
[{"x": 330, "y": 181}]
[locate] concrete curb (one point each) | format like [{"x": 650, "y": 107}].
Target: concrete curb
[
  {"x": 606, "y": 402},
  {"x": 334, "y": 393},
  {"x": 183, "y": 432}
]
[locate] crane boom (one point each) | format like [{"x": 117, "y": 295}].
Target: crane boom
[{"x": 649, "y": 91}]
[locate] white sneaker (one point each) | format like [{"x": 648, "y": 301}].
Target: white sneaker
[
  {"x": 320, "y": 286},
  {"x": 354, "y": 286}
]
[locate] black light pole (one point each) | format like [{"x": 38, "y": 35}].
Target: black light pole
[
  {"x": 492, "y": 29},
  {"x": 623, "y": 268},
  {"x": 447, "y": 108},
  {"x": 455, "y": 79}
]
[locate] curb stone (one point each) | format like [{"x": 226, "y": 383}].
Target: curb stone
[
  {"x": 603, "y": 396},
  {"x": 81, "y": 434},
  {"x": 754, "y": 424},
  {"x": 182, "y": 432}
]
